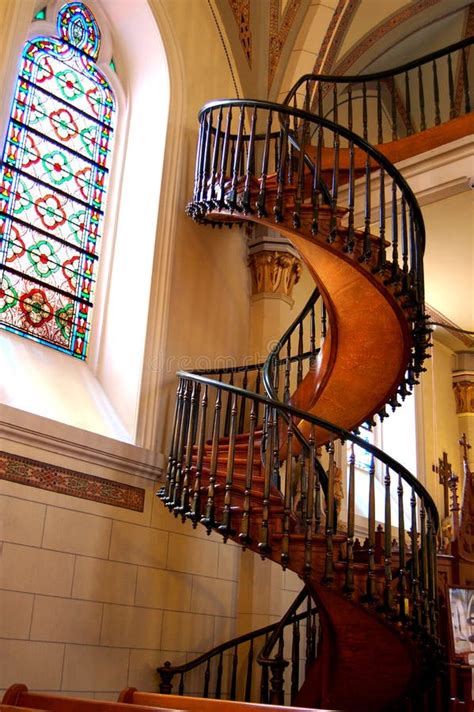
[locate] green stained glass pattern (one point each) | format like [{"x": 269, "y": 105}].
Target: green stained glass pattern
[
  {"x": 40, "y": 15},
  {"x": 53, "y": 181}
]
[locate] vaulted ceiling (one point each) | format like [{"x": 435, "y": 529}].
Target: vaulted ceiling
[{"x": 274, "y": 42}]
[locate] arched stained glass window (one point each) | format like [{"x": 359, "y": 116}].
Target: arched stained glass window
[{"x": 53, "y": 179}]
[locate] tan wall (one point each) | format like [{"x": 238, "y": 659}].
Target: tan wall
[
  {"x": 94, "y": 597},
  {"x": 440, "y": 422}
]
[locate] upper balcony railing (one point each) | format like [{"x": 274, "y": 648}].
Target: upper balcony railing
[{"x": 396, "y": 103}]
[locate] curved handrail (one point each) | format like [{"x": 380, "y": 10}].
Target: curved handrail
[
  {"x": 306, "y": 116},
  {"x": 414, "y": 101},
  {"x": 220, "y": 164},
  {"x": 272, "y": 359},
  {"x": 263, "y": 656},
  {"x": 374, "y": 76},
  {"x": 341, "y": 433},
  {"x": 168, "y": 671}
]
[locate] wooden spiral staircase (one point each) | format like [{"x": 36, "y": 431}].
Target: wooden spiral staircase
[{"x": 246, "y": 453}]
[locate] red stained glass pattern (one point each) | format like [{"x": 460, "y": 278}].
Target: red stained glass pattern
[{"x": 53, "y": 180}]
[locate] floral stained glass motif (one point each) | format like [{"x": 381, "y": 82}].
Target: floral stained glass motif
[{"x": 53, "y": 179}]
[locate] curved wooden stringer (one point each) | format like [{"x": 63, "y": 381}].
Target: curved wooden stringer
[{"x": 247, "y": 462}]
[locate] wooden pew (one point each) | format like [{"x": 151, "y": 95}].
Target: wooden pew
[
  {"x": 197, "y": 704},
  {"x": 18, "y": 697}
]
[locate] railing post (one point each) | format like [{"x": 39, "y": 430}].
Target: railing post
[
  {"x": 166, "y": 677},
  {"x": 277, "y": 693}
]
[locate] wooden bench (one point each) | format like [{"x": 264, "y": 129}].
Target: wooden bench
[
  {"x": 197, "y": 704},
  {"x": 18, "y": 697}
]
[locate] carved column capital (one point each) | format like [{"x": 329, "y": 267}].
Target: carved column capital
[
  {"x": 275, "y": 266},
  {"x": 463, "y": 382},
  {"x": 464, "y": 395},
  {"x": 274, "y": 273}
]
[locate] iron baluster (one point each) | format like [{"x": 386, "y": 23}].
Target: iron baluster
[
  {"x": 408, "y": 104},
  {"x": 231, "y": 200},
  {"x": 195, "y": 513},
  {"x": 287, "y": 388},
  {"x": 181, "y": 685},
  {"x": 349, "y": 582},
  {"x": 329, "y": 563},
  {"x": 300, "y": 178},
  {"x": 248, "y": 677},
  {"x": 317, "y": 499},
  {"x": 413, "y": 271},
  {"x": 264, "y": 546},
  {"x": 415, "y": 562},
  {"x": 387, "y": 591},
  {"x": 308, "y": 530},
  {"x": 243, "y": 404},
  {"x": 207, "y": 677},
  {"x": 436, "y": 94},
  {"x": 467, "y": 99},
  {"x": 367, "y": 248},
  {"x": 264, "y": 680},
  {"x": 258, "y": 383},
  {"x": 295, "y": 660},
  {"x": 278, "y": 207},
  {"x": 379, "y": 113},
  {"x": 183, "y": 507},
  {"x": 287, "y": 498},
  {"x": 176, "y": 490},
  {"x": 334, "y": 103},
  {"x": 393, "y": 93},
  {"x": 349, "y": 241},
  {"x": 164, "y": 493},
  {"x": 381, "y": 261},
  {"x": 299, "y": 372},
  {"x": 421, "y": 94},
  {"x": 424, "y": 569},
  {"x": 316, "y": 190},
  {"x": 370, "y": 596},
  {"x": 432, "y": 574},
  {"x": 404, "y": 232},
  {"x": 249, "y": 172},
  {"x": 365, "y": 124},
  {"x": 215, "y": 156},
  {"x": 323, "y": 321},
  {"x": 402, "y": 579},
  {"x": 199, "y": 152},
  {"x": 233, "y": 681},
  {"x": 334, "y": 191},
  {"x": 225, "y": 528},
  {"x": 312, "y": 336},
  {"x": 228, "y": 406},
  {"x": 218, "y": 692},
  {"x": 289, "y": 162},
  {"x": 275, "y": 453},
  {"x": 452, "y": 104},
  {"x": 350, "y": 116},
  {"x": 206, "y": 160},
  {"x": 395, "y": 270},
  {"x": 208, "y": 519},
  {"x": 244, "y": 536}
]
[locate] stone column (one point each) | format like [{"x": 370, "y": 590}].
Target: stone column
[{"x": 275, "y": 268}]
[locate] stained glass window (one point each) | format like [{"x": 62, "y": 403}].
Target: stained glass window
[{"x": 53, "y": 179}]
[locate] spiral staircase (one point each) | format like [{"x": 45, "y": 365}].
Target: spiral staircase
[{"x": 252, "y": 448}]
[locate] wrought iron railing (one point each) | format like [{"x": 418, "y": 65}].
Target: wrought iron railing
[
  {"x": 250, "y": 660},
  {"x": 389, "y": 105},
  {"x": 365, "y": 208},
  {"x": 298, "y": 520}
]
